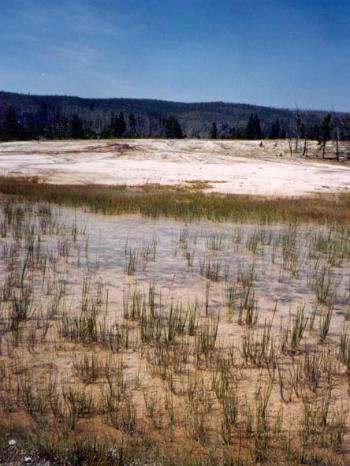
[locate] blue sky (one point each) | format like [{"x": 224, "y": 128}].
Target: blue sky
[{"x": 271, "y": 52}]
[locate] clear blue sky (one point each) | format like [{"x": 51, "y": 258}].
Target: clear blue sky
[{"x": 281, "y": 53}]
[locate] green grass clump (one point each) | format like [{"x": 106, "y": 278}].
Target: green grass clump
[{"x": 182, "y": 204}]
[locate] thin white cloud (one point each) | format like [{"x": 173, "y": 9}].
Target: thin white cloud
[
  {"x": 72, "y": 54},
  {"x": 73, "y": 16}
]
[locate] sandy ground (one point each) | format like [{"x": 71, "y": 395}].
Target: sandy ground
[{"x": 242, "y": 167}]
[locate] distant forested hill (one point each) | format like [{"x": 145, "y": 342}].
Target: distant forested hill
[{"x": 28, "y": 116}]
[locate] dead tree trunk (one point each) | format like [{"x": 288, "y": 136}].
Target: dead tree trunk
[
  {"x": 305, "y": 147},
  {"x": 290, "y": 144},
  {"x": 297, "y": 127},
  {"x": 337, "y": 137}
]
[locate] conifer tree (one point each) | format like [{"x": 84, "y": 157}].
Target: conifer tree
[
  {"x": 214, "y": 131},
  {"x": 172, "y": 128},
  {"x": 118, "y": 125},
  {"x": 121, "y": 125},
  {"x": 132, "y": 124},
  {"x": 275, "y": 132},
  {"x": 11, "y": 129},
  {"x": 253, "y": 128},
  {"x": 76, "y": 129}
]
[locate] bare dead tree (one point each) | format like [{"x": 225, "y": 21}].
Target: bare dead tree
[
  {"x": 325, "y": 132},
  {"x": 346, "y": 132},
  {"x": 297, "y": 125},
  {"x": 337, "y": 137},
  {"x": 305, "y": 148},
  {"x": 290, "y": 144}
]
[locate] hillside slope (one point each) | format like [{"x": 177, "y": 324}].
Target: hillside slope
[{"x": 195, "y": 118}]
